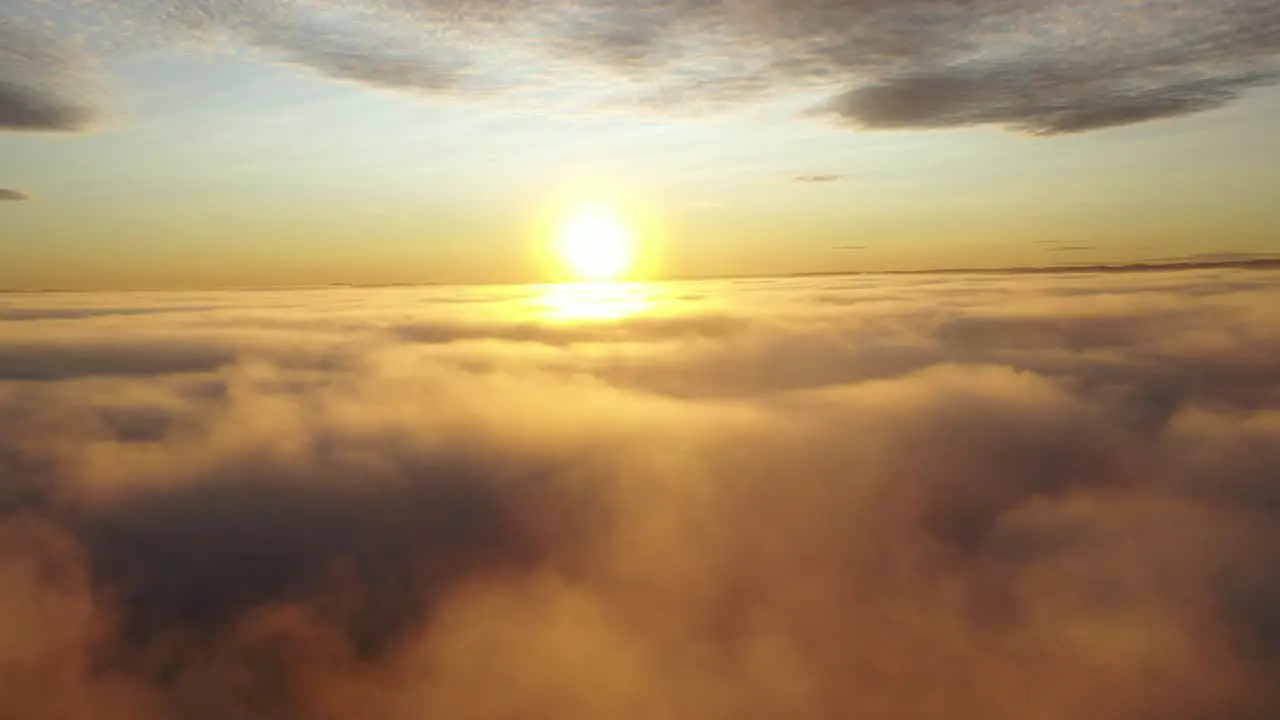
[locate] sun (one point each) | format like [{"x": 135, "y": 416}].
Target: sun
[{"x": 596, "y": 244}]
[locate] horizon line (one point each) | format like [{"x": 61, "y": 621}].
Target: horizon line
[{"x": 1259, "y": 263}]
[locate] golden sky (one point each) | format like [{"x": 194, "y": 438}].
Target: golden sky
[{"x": 178, "y": 144}]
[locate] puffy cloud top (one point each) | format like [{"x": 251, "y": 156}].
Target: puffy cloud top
[{"x": 962, "y": 496}]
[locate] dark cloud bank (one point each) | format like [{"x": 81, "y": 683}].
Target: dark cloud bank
[
  {"x": 10, "y": 195},
  {"x": 1043, "y": 67},
  {"x": 860, "y": 497},
  {"x": 44, "y": 83}
]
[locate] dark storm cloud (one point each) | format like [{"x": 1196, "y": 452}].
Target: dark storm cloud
[
  {"x": 962, "y": 496},
  {"x": 10, "y": 195},
  {"x": 1043, "y": 67},
  {"x": 44, "y": 84}
]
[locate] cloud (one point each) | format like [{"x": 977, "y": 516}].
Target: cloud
[
  {"x": 382, "y": 57},
  {"x": 45, "y": 85},
  {"x": 961, "y": 495},
  {"x": 849, "y": 247},
  {"x": 1050, "y": 68},
  {"x": 55, "y": 361},
  {"x": 58, "y": 313},
  {"x": 1069, "y": 248},
  {"x": 10, "y": 195},
  {"x": 1043, "y": 67},
  {"x": 818, "y": 179},
  {"x": 1037, "y": 101},
  {"x": 1226, "y": 256}
]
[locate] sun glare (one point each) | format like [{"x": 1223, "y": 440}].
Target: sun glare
[
  {"x": 596, "y": 244},
  {"x": 596, "y": 301}
]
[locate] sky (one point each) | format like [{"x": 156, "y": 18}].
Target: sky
[
  {"x": 329, "y": 418},
  {"x": 949, "y": 496},
  {"x": 210, "y": 143}
]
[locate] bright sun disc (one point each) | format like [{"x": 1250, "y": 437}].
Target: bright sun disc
[{"x": 595, "y": 244}]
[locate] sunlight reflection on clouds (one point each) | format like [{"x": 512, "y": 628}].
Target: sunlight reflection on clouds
[{"x": 569, "y": 302}]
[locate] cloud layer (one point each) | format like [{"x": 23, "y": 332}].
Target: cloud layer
[
  {"x": 10, "y": 195},
  {"x": 896, "y": 497},
  {"x": 1038, "y": 66},
  {"x": 45, "y": 84}
]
